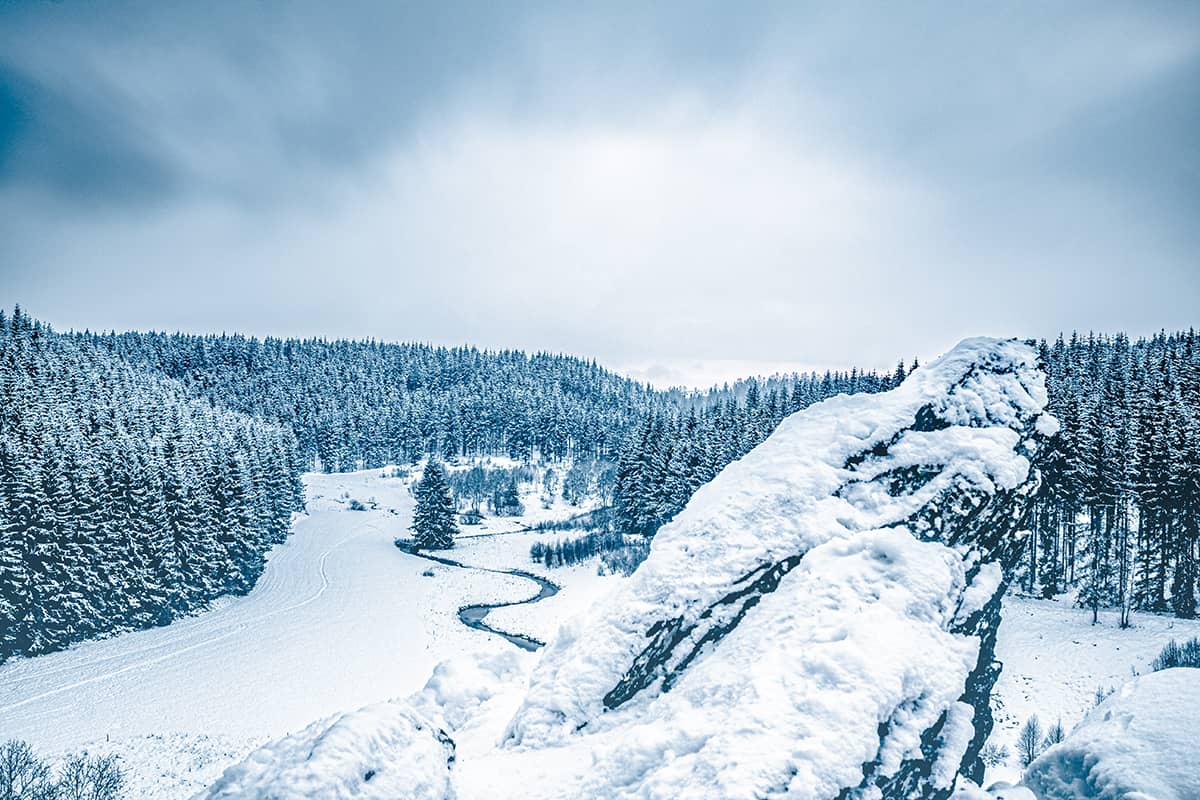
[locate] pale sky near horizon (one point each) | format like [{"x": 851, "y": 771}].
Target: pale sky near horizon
[{"x": 687, "y": 194}]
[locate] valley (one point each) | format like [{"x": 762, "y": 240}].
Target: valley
[{"x": 342, "y": 618}]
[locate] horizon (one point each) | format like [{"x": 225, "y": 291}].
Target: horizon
[{"x": 686, "y": 375}]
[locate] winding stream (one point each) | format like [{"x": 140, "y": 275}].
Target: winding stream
[{"x": 473, "y": 615}]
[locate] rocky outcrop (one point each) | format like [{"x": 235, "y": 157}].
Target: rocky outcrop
[{"x": 820, "y": 620}]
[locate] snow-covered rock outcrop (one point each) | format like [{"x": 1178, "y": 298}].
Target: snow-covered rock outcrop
[
  {"x": 819, "y": 622},
  {"x": 397, "y": 750},
  {"x": 382, "y": 752},
  {"x": 1139, "y": 744}
]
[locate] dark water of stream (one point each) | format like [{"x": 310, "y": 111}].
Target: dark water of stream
[{"x": 473, "y": 616}]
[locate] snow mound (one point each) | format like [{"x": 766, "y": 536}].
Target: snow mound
[
  {"x": 819, "y": 621},
  {"x": 1139, "y": 744},
  {"x": 384, "y": 751},
  {"x": 459, "y": 686},
  {"x": 398, "y": 749}
]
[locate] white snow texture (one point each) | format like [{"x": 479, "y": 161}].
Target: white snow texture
[
  {"x": 381, "y": 752},
  {"x": 1139, "y": 744},
  {"x": 858, "y": 634},
  {"x": 856, "y": 624}
]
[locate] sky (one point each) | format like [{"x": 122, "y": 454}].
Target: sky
[{"x": 687, "y": 193}]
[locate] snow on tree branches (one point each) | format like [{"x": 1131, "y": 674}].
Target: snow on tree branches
[{"x": 433, "y": 520}]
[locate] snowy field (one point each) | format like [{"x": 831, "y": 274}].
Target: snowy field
[
  {"x": 341, "y": 619},
  {"x": 1055, "y": 659}
]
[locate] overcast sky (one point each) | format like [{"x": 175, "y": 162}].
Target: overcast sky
[{"x": 688, "y": 193}]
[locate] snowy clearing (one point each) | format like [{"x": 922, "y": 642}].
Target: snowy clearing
[
  {"x": 1055, "y": 659},
  {"x": 1139, "y": 744},
  {"x": 340, "y": 619}
]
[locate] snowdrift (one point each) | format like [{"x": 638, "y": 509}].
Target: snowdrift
[
  {"x": 819, "y": 621},
  {"x": 398, "y": 750},
  {"x": 381, "y": 752},
  {"x": 1139, "y": 744}
]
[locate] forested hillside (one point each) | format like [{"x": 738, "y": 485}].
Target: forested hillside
[
  {"x": 1118, "y": 516},
  {"x": 368, "y": 404},
  {"x": 142, "y": 475},
  {"x": 1119, "y": 513},
  {"x": 123, "y": 502},
  {"x": 674, "y": 452}
]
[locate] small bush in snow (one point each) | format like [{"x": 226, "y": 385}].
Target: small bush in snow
[
  {"x": 357, "y": 505},
  {"x": 994, "y": 755},
  {"x": 625, "y": 560},
  {"x": 90, "y": 778},
  {"x": 1177, "y": 655},
  {"x": 1102, "y": 694},
  {"x": 565, "y": 552},
  {"x": 24, "y": 776},
  {"x": 1054, "y": 735},
  {"x": 427, "y": 573}
]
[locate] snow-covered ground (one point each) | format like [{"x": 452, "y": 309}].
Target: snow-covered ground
[
  {"x": 339, "y": 619},
  {"x": 342, "y": 619},
  {"x": 1055, "y": 659},
  {"x": 1138, "y": 744}
]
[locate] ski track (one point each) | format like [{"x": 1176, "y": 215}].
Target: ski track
[
  {"x": 230, "y": 630},
  {"x": 340, "y": 618}
]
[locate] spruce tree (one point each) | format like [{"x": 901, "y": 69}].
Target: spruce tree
[{"x": 433, "y": 520}]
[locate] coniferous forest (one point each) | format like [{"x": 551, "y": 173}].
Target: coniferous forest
[
  {"x": 1118, "y": 514},
  {"x": 675, "y": 452},
  {"x": 142, "y": 475},
  {"x": 124, "y": 503},
  {"x": 365, "y": 404}
]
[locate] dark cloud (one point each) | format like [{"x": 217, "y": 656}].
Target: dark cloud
[
  {"x": 81, "y": 154},
  {"x": 695, "y": 181},
  {"x": 108, "y": 100}
]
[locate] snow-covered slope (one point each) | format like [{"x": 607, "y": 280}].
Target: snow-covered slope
[
  {"x": 820, "y": 618},
  {"x": 1139, "y": 744},
  {"x": 1055, "y": 660},
  {"x": 339, "y": 620},
  {"x": 352, "y": 755}
]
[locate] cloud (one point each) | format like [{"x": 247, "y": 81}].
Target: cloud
[{"x": 671, "y": 187}]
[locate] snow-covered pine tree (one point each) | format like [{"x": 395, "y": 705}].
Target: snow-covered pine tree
[
  {"x": 106, "y": 516},
  {"x": 433, "y": 520}
]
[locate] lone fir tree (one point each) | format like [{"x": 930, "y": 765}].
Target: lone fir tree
[{"x": 433, "y": 520}]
